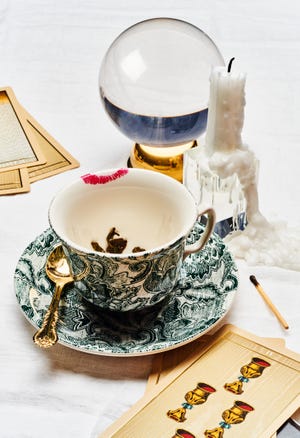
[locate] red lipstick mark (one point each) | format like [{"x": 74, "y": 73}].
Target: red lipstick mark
[{"x": 103, "y": 179}]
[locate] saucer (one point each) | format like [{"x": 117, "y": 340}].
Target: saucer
[{"x": 201, "y": 298}]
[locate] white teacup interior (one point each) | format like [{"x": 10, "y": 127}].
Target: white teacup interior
[{"x": 146, "y": 208}]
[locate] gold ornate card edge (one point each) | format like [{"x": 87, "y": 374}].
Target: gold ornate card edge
[
  {"x": 22, "y": 185},
  {"x": 71, "y": 162}
]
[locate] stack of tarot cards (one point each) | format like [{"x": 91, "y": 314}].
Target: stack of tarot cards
[{"x": 27, "y": 152}]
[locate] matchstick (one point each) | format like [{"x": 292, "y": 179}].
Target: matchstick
[{"x": 269, "y": 302}]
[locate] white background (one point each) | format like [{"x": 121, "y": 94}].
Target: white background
[{"x": 50, "y": 54}]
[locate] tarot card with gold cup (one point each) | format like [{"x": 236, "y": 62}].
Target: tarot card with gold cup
[{"x": 190, "y": 399}]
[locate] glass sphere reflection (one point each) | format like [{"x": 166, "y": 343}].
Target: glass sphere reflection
[{"x": 154, "y": 81}]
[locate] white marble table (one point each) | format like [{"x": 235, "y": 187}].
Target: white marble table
[{"x": 50, "y": 55}]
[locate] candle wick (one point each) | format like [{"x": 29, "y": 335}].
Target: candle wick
[{"x": 229, "y": 65}]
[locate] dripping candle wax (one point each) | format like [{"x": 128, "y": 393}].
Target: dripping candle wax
[{"x": 225, "y": 111}]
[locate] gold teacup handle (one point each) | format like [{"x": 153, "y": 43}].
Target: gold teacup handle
[{"x": 209, "y": 227}]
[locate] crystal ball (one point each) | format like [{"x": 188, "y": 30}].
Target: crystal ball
[{"x": 154, "y": 81}]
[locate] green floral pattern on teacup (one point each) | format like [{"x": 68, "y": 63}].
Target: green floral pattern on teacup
[{"x": 128, "y": 283}]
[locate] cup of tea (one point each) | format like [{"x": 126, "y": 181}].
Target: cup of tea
[{"x": 127, "y": 229}]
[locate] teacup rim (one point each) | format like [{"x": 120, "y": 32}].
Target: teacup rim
[{"x": 157, "y": 249}]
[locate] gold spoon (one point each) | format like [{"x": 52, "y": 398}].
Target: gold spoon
[{"x": 59, "y": 271}]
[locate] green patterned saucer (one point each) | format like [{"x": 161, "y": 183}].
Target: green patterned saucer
[{"x": 203, "y": 295}]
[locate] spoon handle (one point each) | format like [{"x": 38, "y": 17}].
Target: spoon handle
[{"x": 46, "y": 336}]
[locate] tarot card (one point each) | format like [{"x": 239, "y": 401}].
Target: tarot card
[{"x": 18, "y": 147}]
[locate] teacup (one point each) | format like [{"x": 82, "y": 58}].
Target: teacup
[{"x": 127, "y": 228}]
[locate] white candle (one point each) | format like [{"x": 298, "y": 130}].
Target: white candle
[{"x": 225, "y": 111}]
